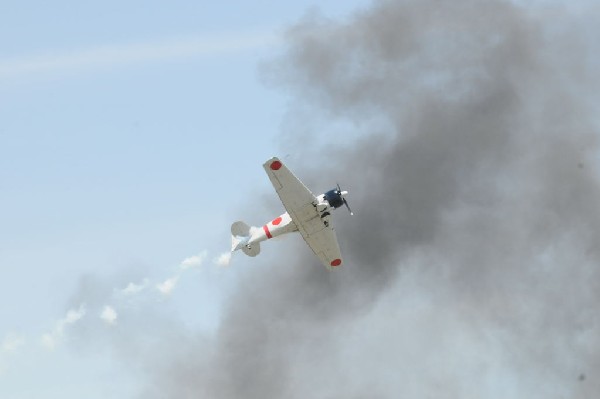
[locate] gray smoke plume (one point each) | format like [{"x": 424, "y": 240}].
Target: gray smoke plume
[{"x": 472, "y": 264}]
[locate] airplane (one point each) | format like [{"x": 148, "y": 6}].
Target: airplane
[{"x": 307, "y": 214}]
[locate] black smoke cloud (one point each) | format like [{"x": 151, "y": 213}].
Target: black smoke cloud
[{"x": 471, "y": 266}]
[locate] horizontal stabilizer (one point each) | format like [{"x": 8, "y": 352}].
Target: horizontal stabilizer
[
  {"x": 240, "y": 235},
  {"x": 240, "y": 228},
  {"x": 253, "y": 250}
]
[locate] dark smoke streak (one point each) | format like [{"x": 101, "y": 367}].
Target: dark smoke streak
[{"x": 472, "y": 263}]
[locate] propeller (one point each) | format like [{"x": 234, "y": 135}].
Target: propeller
[{"x": 342, "y": 194}]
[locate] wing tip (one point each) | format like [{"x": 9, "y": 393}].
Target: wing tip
[
  {"x": 273, "y": 164},
  {"x": 334, "y": 264},
  {"x": 272, "y": 159}
]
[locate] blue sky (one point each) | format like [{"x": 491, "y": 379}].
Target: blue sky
[{"x": 130, "y": 136}]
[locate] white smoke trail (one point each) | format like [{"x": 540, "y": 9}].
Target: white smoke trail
[
  {"x": 193, "y": 262},
  {"x": 109, "y": 315},
  {"x": 134, "y": 297},
  {"x": 11, "y": 343},
  {"x": 52, "y": 339},
  {"x": 9, "y": 347},
  {"x": 167, "y": 286},
  {"x": 223, "y": 260},
  {"x": 133, "y": 288}
]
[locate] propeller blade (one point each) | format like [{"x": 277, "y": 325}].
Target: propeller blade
[
  {"x": 342, "y": 193},
  {"x": 348, "y": 206}
]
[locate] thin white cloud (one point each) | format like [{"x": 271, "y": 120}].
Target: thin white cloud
[
  {"x": 109, "y": 315},
  {"x": 119, "y": 55},
  {"x": 52, "y": 339}
]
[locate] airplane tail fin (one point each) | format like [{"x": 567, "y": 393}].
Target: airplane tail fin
[{"x": 240, "y": 234}]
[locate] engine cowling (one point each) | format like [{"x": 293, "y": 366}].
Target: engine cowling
[{"x": 334, "y": 198}]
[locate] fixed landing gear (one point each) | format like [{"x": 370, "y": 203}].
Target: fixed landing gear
[
  {"x": 322, "y": 208},
  {"x": 325, "y": 218}
]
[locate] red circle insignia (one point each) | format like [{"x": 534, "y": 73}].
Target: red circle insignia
[
  {"x": 276, "y": 221},
  {"x": 336, "y": 262},
  {"x": 276, "y": 165}
]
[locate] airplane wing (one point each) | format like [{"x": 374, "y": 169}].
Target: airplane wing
[
  {"x": 298, "y": 202},
  {"x": 323, "y": 242}
]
